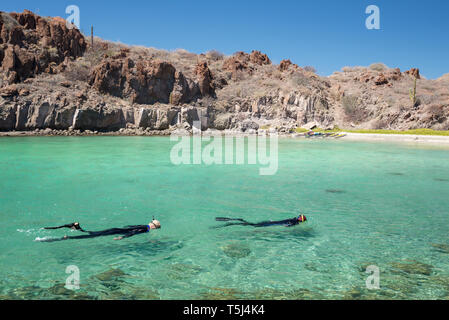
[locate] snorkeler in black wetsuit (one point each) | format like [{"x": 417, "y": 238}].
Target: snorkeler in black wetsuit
[
  {"x": 125, "y": 232},
  {"x": 241, "y": 222}
]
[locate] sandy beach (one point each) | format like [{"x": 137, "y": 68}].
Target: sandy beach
[
  {"x": 406, "y": 138},
  {"x": 397, "y": 138}
]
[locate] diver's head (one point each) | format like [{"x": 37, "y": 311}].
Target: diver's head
[
  {"x": 155, "y": 224},
  {"x": 302, "y": 218}
]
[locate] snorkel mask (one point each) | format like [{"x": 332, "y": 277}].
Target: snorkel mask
[{"x": 155, "y": 223}]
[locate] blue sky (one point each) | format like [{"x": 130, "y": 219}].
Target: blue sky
[{"x": 326, "y": 34}]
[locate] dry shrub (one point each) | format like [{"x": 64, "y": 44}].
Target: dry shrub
[
  {"x": 427, "y": 98},
  {"x": 378, "y": 67},
  {"x": 353, "y": 110},
  {"x": 436, "y": 109},
  {"x": 299, "y": 79},
  {"x": 77, "y": 71},
  {"x": 347, "y": 69},
  {"x": 310, "y": 69},
  {"x": 380, "y": 124},
  {"x": 214, "y": 55}
]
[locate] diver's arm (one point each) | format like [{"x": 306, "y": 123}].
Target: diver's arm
[{"x": 60, "y": 227}]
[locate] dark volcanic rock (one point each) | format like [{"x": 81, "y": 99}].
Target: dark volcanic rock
[
  {"x": 205, "y": 79},
  {"x": 33, "y": 44},
  {"x": 7, "y": 117},
  {"x": 259, "y": 58},
  {"x": 101, "y": 119},
  {"x": 144, "y": 82}
]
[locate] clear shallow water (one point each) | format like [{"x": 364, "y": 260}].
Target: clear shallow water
[{"x": 367, "y": 204}]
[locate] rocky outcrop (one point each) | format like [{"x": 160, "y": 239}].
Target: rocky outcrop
[
  {"x": 380, "y": 80},
  {"x": 102, "y": 119},
  {"x": 243, "y": 62},
  {"x": 205, "y": 80},
  {"x": 7, "y": 117},
  {"x": 237, "y": 63},
  {"x": 30, "y": 44},
  {"x": 145, "y": 82},
  {"x": 285, "y": 65},
  {"x": 259, "y": 58},
  {"x": 414, "y": 72},
  {"x": 47, "y": 83}
]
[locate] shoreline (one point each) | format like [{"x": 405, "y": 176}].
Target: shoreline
[
  {"x": 380, "y": 137},
  {"x": 368, "y": 137}
]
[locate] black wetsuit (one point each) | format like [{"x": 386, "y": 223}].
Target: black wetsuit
[
  {"x": 241, "y": 222},
  {"x": 73, "y": 226},
  {"x": 125, "y": 232}
]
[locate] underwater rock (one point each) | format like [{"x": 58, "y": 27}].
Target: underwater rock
[
  {"x": 237, "y": 250},
  {"x": 399, "y": 287},
  {"x": 305, "y": 294},
  {"x": 60, "y": 290},
  {"x": 276, "y": 294},
  {"x": 335, "y": 191},
  {"x": 361, "y": 293},
  {"x": 365, "y": 266},
  {"x": 440, "y": 247},
  {"x": 354, "y": 293},
  {"x": 221, "y": 294},
  {"x": 131, "y": 294},
  {"x": 441, "y": 180},
  {"x": 413, "y": 267},
  {"x": 180, "y": 271},
  {"x": 440, "y": 280},
  {"x": 25, "y": 293},
  {"x": 269, "y": 294},
  {"x": 311, "y": 266},
  {"x": 145, "y": 294},
  {"x": 112, "y": 274},
  {"x": 396, "y": 173}
]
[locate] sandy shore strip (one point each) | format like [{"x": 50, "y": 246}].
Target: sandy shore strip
[
  {"x": 349, "y": 136},
  {"x": 396, "y": 138}
]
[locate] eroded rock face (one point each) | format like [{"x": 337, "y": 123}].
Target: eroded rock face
[
  {"x": 259, "y": 58},
  {"x": 380, "y": 80},
  {"x": 205, "y": 79},
  {"x": 31, "y": 44},
  {"x": 244, "y": 62},
  {"x": 144, "y": 82},
  {"x": 414, "y": 72},
  {"x": 99, "y": 119},
  {"x": 237, "y": 63},
  {"x": 284, "y": 65},
  {"x": 7, "y": 117}
]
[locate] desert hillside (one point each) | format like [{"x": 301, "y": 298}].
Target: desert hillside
[{"x": 51, "y": 77}]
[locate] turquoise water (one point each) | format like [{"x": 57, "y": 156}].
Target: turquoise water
[{"x": 367, "y": 204}]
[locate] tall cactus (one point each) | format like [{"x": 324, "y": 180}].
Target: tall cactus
[{"x": 413, "y": 93}]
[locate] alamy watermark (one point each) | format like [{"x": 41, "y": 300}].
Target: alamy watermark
[
  {"x": 373, "y": 281},
  {"x": 373, "y": 20},
  {"x": 72, "y": 282},
  {"x": 74, "y": 18},
  {"x": 227, "y": 150}
]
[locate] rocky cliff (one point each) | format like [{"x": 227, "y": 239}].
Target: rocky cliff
[{"x": 51, "y": 78}]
